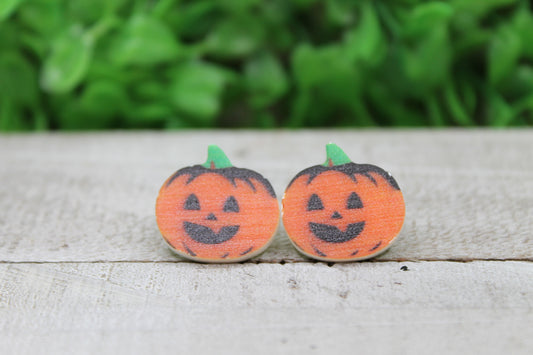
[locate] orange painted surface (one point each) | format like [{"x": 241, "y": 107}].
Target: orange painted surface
[
  {"x": 374, "y": 224},
  {"x": 249, "y": 229}
]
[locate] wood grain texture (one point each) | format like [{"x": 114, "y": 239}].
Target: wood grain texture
[
  {"x": 90, "y": 197},
  {"x": 135, "y": 308},
  {"x": 83, "y": 268}
]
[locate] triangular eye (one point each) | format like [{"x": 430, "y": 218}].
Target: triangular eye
[
  {"x": 354, "y": 201},
  {"x": 192, "y": 203},
  {"x": 231, "y": 205},
  {"x": 315, "y": 203}
]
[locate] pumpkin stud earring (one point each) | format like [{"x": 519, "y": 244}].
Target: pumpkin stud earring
[
  {"x": 216, "y": 212},
  {"x": 342, "y": 211}
]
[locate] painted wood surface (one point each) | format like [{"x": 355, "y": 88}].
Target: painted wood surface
[
  {"x": 83, "y": 268},
  {"x": 124, "y": 308},
  {"x": 91, "y": 197}
]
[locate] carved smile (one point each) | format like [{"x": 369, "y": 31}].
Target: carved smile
[
  {"x": 205, "y": 235},
  {"x": 332, "y": 234}
]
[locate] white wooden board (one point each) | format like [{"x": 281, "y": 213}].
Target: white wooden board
[
  {"x": 176, "y": 308},
  {"x": 84, "y": 270},
  {"x": 90, "y": 197}
]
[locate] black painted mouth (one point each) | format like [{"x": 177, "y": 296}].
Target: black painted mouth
[
  {"x": 205, "y": 235},
  {"x": 332, "y": 234}
]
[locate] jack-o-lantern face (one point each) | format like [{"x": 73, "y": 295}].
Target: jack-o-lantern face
[
  {"x": 205, "y": 234},
  {"x": 343, "y": 212},
  {"x": 330, "y": 231},
  {"x": 217, "y": 214}
]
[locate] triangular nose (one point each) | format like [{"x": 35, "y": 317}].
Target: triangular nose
[
  {"x": 336, "y": 215},
  {"x": 211, "y": 217}
]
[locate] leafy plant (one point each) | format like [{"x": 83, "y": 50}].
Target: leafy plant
[{"x": 98, "y": 64}]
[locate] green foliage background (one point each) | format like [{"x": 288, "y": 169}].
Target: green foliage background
[{"x": 98, "y": 64}]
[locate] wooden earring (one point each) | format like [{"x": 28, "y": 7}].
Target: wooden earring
[
  {"x": 342, "y": 211},
  {"x": 216, "y": 212}
]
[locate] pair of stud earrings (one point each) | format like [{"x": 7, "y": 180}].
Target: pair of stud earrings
[{"x": 337, "y": 211}]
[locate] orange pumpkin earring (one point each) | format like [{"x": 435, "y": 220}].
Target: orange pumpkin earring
[
  {"x": 216, "y": 212},
  {"x": 342, "y": 211}
]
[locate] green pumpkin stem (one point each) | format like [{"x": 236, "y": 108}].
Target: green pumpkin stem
[
  {"x": 216, "y": 158},
  {"x": 335, "y": 155}
]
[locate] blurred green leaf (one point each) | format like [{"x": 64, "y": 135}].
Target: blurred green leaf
[
  {"x": 40, "y": 121},
  {"x": 196, "y": 89},
  {"x": 504, "y": 51},
  {"x": 340, "y": 12},
  {"x": 238, "y": 6},
  {"x": 192, "y": 19},
  {"x": 266, "y": 120},
  {"x": 97, "y": 64},
  {"x": 176, "y": 122},
  {"x": 326, "y": 78},
  {"x": 365, "y": 43},
  {"x": 426, "y": 16},
  {"x": 394, "y": 111},
  {"x": 523, "y": 28},
  {"x": 519, "y": 83},
  {"x": 89, "y": 12},
  {"x": 265, "y": 79},
  {"x": 34, "y": 44},
  {"x": 68, "y": 61},
  {"x": 455, "y": 106},
  {"x": 480, "y": 7},
  {"x": 145, "y": 41},
  {"x": 14, "y": 117},
  {"x": 474, "y": 41},
  {"x": 8, "y": 36},
  {"x": 7, "y": 7},
  {"x": 104, "y": 98},
  {"x": 303, "y": 4},
  {"x": 8, "y": 121},
  {"x": 468, "y": 95},
  {"x": 306, "y": 67},
  {"x": 314, "y": 66},
  {"x": 524, "y": 107},
  {"x": 44, "y": 17},
  {"x": 500, "y": 113},
  {"x": 98, "y": 107},
  {"x": 18, "y": 79},
  {"x": 151, "y": 89},
  {"x": 327, "y": 69},
  {"x": 147, "y": 114},
  {"x": 235, "y": 38},
  {"x": 435, "y": 111},
  {"x": 428, "y": 63}
]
